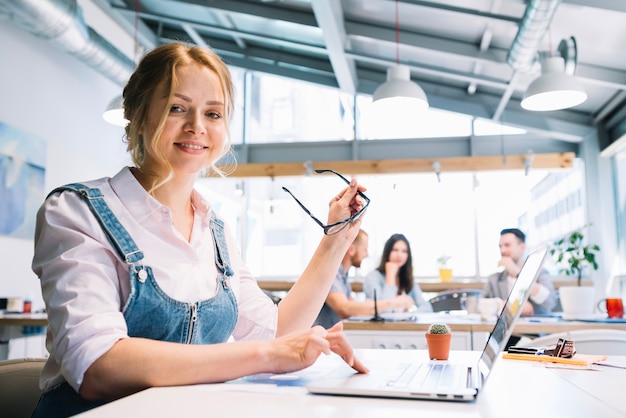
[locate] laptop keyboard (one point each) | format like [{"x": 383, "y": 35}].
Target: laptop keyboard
[{"x": 428, "y": 375}]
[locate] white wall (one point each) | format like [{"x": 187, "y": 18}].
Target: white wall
[{"x": 46, "y": 92}]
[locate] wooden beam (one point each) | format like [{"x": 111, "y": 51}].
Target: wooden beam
[{"x": 480, "y": 163}]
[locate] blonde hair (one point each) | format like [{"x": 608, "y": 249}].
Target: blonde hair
[{"x": 156, "y": 73}]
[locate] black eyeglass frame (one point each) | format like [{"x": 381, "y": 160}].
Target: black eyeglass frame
[{"x": 345, "y": 222}]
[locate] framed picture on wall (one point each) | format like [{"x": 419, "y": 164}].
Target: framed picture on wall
[{"x": 22, "y": 175}]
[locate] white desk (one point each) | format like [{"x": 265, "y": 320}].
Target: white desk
[{"x": 514, "y": 389}]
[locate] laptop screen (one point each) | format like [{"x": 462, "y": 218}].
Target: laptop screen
[{"x": 511, "y": 310}]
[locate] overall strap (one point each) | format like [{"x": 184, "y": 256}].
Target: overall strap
[
  {"x": 222, "y": 260},
  {"x": 117, "y": 234}
]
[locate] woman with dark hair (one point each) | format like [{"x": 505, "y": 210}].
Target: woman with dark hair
[{"x": 394, "y": 275}]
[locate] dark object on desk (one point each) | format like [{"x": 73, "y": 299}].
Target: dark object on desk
[
  {"x": 563, "y": 348},
  {"x": 376, "y": 317},
  {"x": 588, "y": 341},
  {"x": 518, "y": 349},
  {"x": 456, "y": 300}
]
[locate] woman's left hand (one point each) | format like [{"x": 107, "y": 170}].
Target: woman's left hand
[
  {"x": 347, "y": 203},
  {"x": 340, "y": 345}
]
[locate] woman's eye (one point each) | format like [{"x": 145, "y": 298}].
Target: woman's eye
[
  {"x": 214, "y": 115},
  {"x": 176, "y": 108}
]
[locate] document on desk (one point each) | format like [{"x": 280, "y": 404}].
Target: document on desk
[
  {"x": 541, "y": 319},
  {"x": 326, "y": 366},
  {"x": 576, "y": 360},
  {"x": 388, "y": 316},
  {"x": 420, "y": 317}
]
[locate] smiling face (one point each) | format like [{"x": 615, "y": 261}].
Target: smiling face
[
  {"x": 179, "y": 101},
  {"x": 194, "y": 132}
]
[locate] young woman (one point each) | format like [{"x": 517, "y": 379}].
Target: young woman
[
  {"x": 143, "y": 282},
  {"x": 394, "y": 276}
]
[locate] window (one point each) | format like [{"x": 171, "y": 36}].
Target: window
[
  {"x": 285, "y": 110},
  {"x": 461, "y": 216},
  {"x": 619, "y": 161}
]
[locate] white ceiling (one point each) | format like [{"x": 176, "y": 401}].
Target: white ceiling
[{"x": 458, "y": 50}]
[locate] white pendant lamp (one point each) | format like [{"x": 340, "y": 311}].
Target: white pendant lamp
[
  {"x": 399, "y": 92},
  {"x": 115, "y": 112},
  {"x": 399, "y": 95},
  {"x": 554, "y": 89}
]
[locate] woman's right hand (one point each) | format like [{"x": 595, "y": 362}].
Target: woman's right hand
[
  {"x": 299, "y": 350},
  {"x": 391, "y": 272}
]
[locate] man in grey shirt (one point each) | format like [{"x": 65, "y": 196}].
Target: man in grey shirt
[{"x": 512, "y": 248}]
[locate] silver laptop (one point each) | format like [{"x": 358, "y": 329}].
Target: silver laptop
[{"x": 441, "y": 380}]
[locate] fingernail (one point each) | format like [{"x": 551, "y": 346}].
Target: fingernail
[{"x": 353, "y": 182}]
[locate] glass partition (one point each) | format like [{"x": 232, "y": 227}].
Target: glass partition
[
  {"x": 460, "y": 215},
  {"x": 285, "y": 110},
  {"x": 619, "y": 161},
  {"x": 456, "y": 214}
]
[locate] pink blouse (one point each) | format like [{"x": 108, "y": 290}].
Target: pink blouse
[{"x": 85, "y": 284}]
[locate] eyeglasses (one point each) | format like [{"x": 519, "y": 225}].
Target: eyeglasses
[{"x": 337, "y": 226}]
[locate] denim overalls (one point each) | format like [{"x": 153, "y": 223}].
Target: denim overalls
[{"x": 149, "y": 312}]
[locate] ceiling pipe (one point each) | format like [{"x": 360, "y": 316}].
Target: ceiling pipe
[
  {"x": 61, "y": 22},
  {"x": 532, "y": 29}
]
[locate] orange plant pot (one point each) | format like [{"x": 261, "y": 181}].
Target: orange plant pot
[{"x": 438, "y": 346}]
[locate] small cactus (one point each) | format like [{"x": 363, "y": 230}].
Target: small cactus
[{"x": 439, "y": 329}]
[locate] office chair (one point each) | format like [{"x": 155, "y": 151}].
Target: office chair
[
  {"x": 454, "y": 300},
  {"x": 587, "y": 341},
  {"x": 19, "y": 386}
]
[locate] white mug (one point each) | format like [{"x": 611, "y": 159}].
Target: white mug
[{"x": 489, "y": 308}]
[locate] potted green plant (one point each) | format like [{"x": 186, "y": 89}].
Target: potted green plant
[
  {"x": 438, "y": 339},
  {"x": 445, "y": 272},
  {"x": 573, "y": 254},
  {"x": 572, "y": 251}
]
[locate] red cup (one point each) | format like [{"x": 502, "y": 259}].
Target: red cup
[
  {"x": 613, "y": 307},
  {"x": 27, "y": 306}
]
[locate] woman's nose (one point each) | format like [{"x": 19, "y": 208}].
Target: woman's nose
[{"x": 194, "y": 124}]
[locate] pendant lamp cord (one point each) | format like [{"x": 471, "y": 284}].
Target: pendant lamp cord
[
  {"x": 397, "y": 34},
  {"x": 550, "y": 42}
]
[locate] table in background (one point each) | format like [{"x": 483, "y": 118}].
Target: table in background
[
  {"x": 427, "y": 286},
  {"x": 515, "y": 389},
  {"x": 23, "y": 327},
  {"x": 468, "y": 331}
]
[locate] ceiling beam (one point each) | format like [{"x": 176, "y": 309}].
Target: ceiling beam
[
  {"x": 395, "y": 149},
  {"x": 614, "y": 5},
  {"x": 423, "y": 165},
  {"x": 455, "y": 48},
  {"x": 465, "y": 10},
  {"x": 263, "y": 10},
  {"x": 330, "y": 19}
]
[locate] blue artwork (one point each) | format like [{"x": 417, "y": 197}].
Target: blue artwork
[{"x": 22, "y": 174}]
